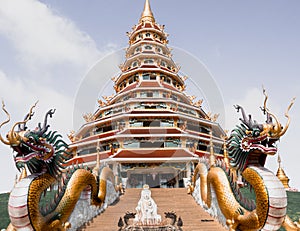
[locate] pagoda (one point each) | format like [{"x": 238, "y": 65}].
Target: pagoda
[{"x": 150, "y": 131}]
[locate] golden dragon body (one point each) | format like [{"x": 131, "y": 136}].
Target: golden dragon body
[
  {"x": 248, "y": 146},
  {"x": 45, "y": 155}
]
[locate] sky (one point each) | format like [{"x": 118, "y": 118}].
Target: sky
[{"x": 49, "y": 47}]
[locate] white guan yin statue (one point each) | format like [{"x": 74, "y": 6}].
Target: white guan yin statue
[{"x": 146, "y": 209}]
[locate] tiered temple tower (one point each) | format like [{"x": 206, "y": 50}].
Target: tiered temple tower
[{"x": 150, "y": 131}]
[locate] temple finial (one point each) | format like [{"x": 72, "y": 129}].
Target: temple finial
[{"x": 147, "y": 14}]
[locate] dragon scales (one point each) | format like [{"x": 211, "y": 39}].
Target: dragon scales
[
  {"x": 44, "y": 154},
  {"x": 214, "y": 184}
]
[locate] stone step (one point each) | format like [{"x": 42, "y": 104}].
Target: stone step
[{"x": 168, "y": 200}]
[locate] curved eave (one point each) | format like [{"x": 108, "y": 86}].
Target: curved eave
[
  {"x": 93, "y": 140},
  {"x": 152, "y": 42},
  {"x": 138, "y": 30},
  {"x": 140, "y": 88},
  {"x": 166, "y": 113},
  {"x": 154, "y": 153},
  {"x": 155, "y": 100},
  {"x": 146, "y": 68},
  {"x": 144, "y": 155}
]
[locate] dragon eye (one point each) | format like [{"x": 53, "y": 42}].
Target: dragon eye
[
  {"x": 31, "y": 139},
  {"x": 256, "y": 133}
]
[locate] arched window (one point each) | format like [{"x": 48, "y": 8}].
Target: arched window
[
  {"x": 148, "y": 35},
  {"x": 148, "y": 61},
  {"x": 163, "y": 63},
  {"x": 134, "y": 64},
  {"x": 148, "y": 47}
]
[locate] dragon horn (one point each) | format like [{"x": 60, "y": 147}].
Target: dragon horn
[
  {"x": 12, "y": 135},
  {"x": 265, "y": 101},
  {"x": 27, "y": 118},
  {"x": 288, "y": 117},
  {"x": 5, "y": 122}
]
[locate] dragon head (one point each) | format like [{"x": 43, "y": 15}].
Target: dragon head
[
  {"x": 250, "y": 142},
  {"x": 39, "y": 150}
]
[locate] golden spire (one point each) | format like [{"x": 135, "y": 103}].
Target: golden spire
[
  {"x": 147, "y": 14},
  {"x": 281, "y": 174}
]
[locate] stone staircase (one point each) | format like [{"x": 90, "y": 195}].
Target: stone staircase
[{"x": 167, "y": 199}]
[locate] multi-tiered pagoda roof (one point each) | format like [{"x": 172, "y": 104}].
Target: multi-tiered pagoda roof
[{"x": 150, "y": 120}]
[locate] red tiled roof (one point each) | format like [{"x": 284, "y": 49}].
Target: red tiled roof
[
  {"x": 149, "y": 84},
  {"x": 169, "y": 86},
  {"x": 86, "y": 159},
  {"x": 95, "y": 137},
  {"x": 130, "y": 87},
  {"x": 153, "y": 153},
  {"x": 148, "y": 25},
  {"x": 152, "y": 131}
]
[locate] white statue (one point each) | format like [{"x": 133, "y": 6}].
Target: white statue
[{"x": 146, "y": 209}]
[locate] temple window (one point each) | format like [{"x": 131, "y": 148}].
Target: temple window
[
  {"x": 174, "y": 97},
  {"x": 134, "y": 64},
  {"x": 105, "y": 128},
  {"x": 167, "y": 123},
  {"x": 148, "y": 47},
  {"x": 155, "y": 94},
  {"x": 165, "y": 95},
  {"x": 186, "y": 111},
  {"x": 163, "y": 63},
  {"x": 136, "y": 77},
  {"x": 108, "y": 112},
  {"x": 167, "y": 80},
  {"x": 153, "y": 76},
  {"x": 146, "y": 76},
  {"x": 172, "y": 143},
  {"x": 135, "y": 123},
  {"x": 148, "y": 61},
  {"x": 143, "y": 94},
  {"x": 190, "y": 143},
  {"x": 148, "y": 35},
  {"x": 126, "y": 97},
  {"x": 193, "y": 127},
  {"x": 150, "y": 144},
  {"x": 149, "y": 76},
  {"x": 86, "y": 151},
  {"x": 204, "y": 130},
  {"x": 137, "y": 49},
  {"x": 150, "y": 94},
  {"x": 131, "y": 80},
  {"x": 131, "y": 144},
  {"x": 218, "y": 149},
  {"x": 202, "y": 146}
]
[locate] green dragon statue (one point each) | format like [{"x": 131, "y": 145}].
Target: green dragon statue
[
  {"x": 214, "y": 184},
  {"x": 44, "y": 154}
]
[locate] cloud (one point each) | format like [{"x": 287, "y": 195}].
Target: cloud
[{"x": 42, "y": 37}]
